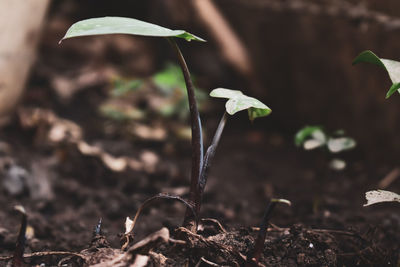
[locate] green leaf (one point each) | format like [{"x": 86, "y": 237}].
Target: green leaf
[
  {"x": 170, "y": 78},
  {"x": 307, "y": 132},
  {"x": 392, "y": 67},
  {"x": 238, "y": 101},
  {"x": 120, "y": 25}
]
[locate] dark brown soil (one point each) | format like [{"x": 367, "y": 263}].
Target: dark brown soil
[{"x": 65, "y": 191}]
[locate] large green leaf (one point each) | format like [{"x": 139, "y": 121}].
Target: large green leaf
[
  {"x": 238, "y": 101},
  {"x": 120, "y": 25},
  {"x": 392, "y": 67}
]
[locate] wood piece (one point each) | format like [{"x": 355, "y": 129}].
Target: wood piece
[{"x": 20, "y": 25}]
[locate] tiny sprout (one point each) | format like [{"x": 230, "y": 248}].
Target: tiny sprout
[
  {"x": 18, "y": 258},
  {"x": 254, "y": 256}
]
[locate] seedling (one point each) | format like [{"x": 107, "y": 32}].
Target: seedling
[
  {"x": 392, "y": 67},
  {"x": 312, "y": 137},
  {"x": 254, "y": 257},
  {"x": 237, "y": 100},
  {"x": 18, "y": 258}
]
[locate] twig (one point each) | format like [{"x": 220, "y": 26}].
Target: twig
[
  {"x": 389, "y": 178},
  {"x": 129, "y": 236},
  {"x": 46, "y": 253},
  {"x": 229, "y": 43},
  {"x": 216, "y": 222},
  {"x": 210, "y": 263}
]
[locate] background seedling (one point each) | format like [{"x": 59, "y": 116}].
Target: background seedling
[
  {"x": 392, "y": 67},
  {"x": 313, "y": 137},
  {"x": 237, "y": 100}
]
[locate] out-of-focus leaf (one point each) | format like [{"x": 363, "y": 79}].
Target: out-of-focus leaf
[
  {"x": 379, "y": 196},
  {"x": 121, "y": 112},
  {"x": 336, "y": 145},
  {"x": 121, "y": 25},
  {"x": 307, "y": 132},
  {"x": 392, "y": 67},
  {"x": 337, "y": 164},
  {"x": 169, "y": 78},
  {"x": 238, "y": 101},
  {"x": 122, "y": 87}
]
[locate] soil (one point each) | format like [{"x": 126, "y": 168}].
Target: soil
[{"x": 66, "y": 191}]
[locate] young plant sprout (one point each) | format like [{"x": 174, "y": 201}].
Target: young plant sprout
[
  {"x": 254, "y": 257},
  {"x": 312, "y": 137},
  {"x": 237, "y": 100},
  {"x": 392, "y": 67}
]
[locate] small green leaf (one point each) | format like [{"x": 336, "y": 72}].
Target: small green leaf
[
  {"x": 238, "y": 102},
  {"x": 120, "y": 25},
  {"x": 392, "y": 67},
  {"x": 314, "y": 132}
]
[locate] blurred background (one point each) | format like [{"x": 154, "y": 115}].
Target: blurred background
[{"x": 108, "y": 114}]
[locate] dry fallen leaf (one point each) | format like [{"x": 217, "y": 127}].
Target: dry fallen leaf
[{"x": 378, "y": 196}]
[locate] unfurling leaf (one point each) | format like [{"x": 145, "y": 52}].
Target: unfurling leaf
[
  {"x": 121, "y": 25},
  {"x": 238, "y": 102},
  {"x": 392, "y": 67},
  {"x": 379, "y": 196}
]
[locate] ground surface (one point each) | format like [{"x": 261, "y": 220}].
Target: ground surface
[
  {"x": 64, "y": 163},
  {"x": 251, "y": 166}
]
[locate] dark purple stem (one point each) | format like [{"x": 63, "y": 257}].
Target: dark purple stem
[
  {"x": 18, "y": 259},
  {"x": 254, "y": 256},
  {"x": 211, "y": 152},
  {"x": 190, "y": 222}
]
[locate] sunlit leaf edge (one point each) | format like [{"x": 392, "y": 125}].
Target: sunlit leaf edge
[{"x": 110, "y": 25}]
